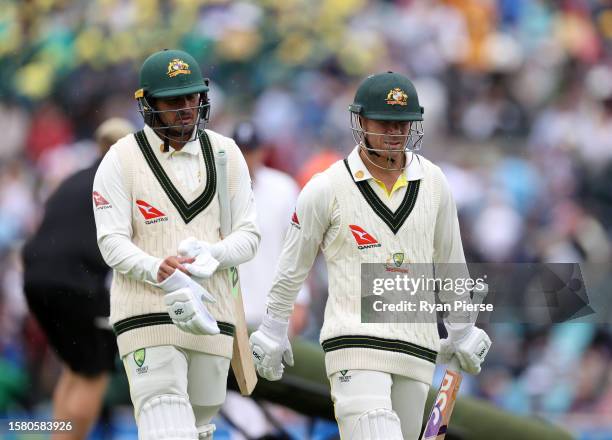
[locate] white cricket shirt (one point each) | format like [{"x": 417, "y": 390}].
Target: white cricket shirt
[{"x": 114, "y": 227}]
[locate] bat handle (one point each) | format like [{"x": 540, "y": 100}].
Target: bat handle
[
  {"x": 454, "y": 364},
  {"x": 224, "y": 204}
]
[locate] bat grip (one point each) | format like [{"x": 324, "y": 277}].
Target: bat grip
[
  {"x": 224, "y": 206},
  {"x": 454, "y": 364}
]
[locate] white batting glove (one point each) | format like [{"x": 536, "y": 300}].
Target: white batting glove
[
  {"x": 191, "y": 247},
  {"x": 184, "y": 301},
  {"x": 205, "y": 264},
  {"x": 468, "y": 343},
  {"x": 270, "y": 347}
]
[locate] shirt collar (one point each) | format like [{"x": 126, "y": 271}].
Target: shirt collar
[
  {"x": 157, "y": 143},
  {"x": 414, "y": 170}
]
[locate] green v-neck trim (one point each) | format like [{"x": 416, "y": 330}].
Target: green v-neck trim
[
  {"x": 394, "y": 220},
  {"x": 188, "y": 211}
]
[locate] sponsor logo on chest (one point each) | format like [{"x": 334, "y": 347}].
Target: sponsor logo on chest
[
  {"x": 363, "y": 239},
  {"x": 150, "y": 213}
]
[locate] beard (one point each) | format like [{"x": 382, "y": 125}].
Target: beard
[
  {"x": 182, "y": 130},
  {"x": 177, "y": 128}
]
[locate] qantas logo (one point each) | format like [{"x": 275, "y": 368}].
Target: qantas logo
[
  {"x": 294, "y": 220},
  {"x": 363, "y": 239},
  {"x": 151, "y": 214},
  {"x": 99, "y": 201}
]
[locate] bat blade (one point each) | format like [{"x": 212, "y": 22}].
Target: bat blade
[
  {"x": 440, "y": 415},
  {"x": 242, "y": 360}
]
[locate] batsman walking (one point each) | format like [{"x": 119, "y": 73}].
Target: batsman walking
[
  {"x": 158, "y": 217},
  {"x": 381, "y": 200}
]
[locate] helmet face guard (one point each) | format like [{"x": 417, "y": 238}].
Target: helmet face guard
[
  {"x": 388, "y": 97},
  {"x": 178, "y": 131},
  {"x": 412, "y": 141}
]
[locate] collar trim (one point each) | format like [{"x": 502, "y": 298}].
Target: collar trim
[
  {"x": 414, "y": 170},
  {"x": 188, "y": 211},
  {"x": 394, "y": 220}
]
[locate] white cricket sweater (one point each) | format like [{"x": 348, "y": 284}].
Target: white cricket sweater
[
  {"x": 163, "y": 212},
  {"x": 419, "y": 220}
]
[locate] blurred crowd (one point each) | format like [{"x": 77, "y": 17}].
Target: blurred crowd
[{"x": 518, "y": 113}]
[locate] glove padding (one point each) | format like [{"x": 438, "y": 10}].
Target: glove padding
[
  {"x": 185, "y": 304},
  {"x": 205, "y": 264},
  {"x": 470, "y": 348},
  {"x": 270, "y": 347}
]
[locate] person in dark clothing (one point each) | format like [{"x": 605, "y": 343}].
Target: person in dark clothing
[{"x": 66, "y": 289}]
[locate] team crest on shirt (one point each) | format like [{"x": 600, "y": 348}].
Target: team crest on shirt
[
  {"x": 394, "y": 263},
  {"x": 363, "y": 239},
  {"x": 150, "y": 213},
  {"x": 177, "y": 67},
  {"x": 100, "y": 201},
  {"x": 139, "y": 359}
]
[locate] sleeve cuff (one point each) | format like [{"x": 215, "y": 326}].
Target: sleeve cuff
[{"x": 152, "y": 273}]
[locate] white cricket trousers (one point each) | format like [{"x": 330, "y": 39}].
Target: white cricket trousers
[
  {"x": 200, "y": 378},
  {"x": 356, "y": 392}
]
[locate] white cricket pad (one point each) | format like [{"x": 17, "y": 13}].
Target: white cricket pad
[
  {"x": 378, "y": 424},
  {"x": 167, "y": 417},
  {"x": 205, "y": 432}
]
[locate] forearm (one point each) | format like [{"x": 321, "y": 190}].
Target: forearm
[
  {"x": 449, "y": 259},
  {"x": 281, "y": 300},
  {"x": 128, "y": 259},
  {"x": 314, "y": 212},
  {"x": 239, "y": 247},
  {"x": 295, "y": 262}
]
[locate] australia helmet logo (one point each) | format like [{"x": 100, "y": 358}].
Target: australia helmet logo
[
  {"x": 397, "y": 96},
  {"x": 398, "y": 259},
  {"x": 178, "y": 67}
]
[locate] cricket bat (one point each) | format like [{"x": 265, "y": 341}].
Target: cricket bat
[
  {"x": 440, "y": 415},
  {"x": 442, "y": 409},
  {"x": 242, "y": 360}
]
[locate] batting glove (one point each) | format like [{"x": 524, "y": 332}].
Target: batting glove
[
  {"x": 270, "y": 347},
  {"x": 205, "y": 264},
  {"x": 469, "y": 344},
  {"x": 184, "y": 301}
]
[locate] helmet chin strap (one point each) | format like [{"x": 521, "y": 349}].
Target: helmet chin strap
[
  {"x": 369, "y": 148},
  {"x": 371, "y": 152},
  {"x": 166, "y": 141},
  {"x": 168, "y": 135}
]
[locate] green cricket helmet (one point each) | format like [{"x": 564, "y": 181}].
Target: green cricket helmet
[
  {"x": 166, "y": 74},
  {"x": 387, "y": 96}
]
